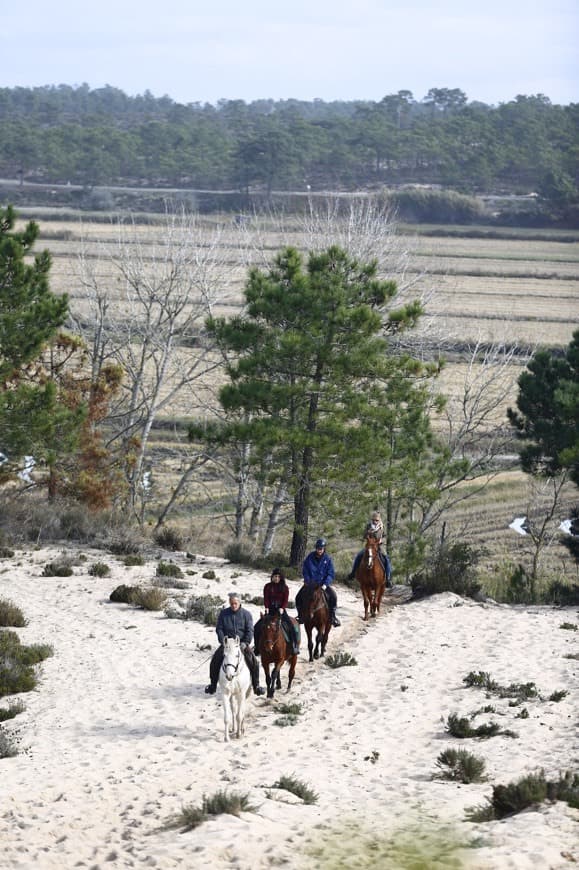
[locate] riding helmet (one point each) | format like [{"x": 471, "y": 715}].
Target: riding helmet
[{"x": 321, "y": 544}]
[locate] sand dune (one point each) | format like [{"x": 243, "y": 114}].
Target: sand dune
[{"x": 119, "y": 735}]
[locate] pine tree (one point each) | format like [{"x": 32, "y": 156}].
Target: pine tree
[
  {"x": 33, "y": 418},
  {"x": 309, "y": 379}
]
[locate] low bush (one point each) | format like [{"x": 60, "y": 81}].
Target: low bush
[
  {"x": 461, "y": 766},
  {"x": 202, "y": 608},
  {"x": 168, "y": 569},
  {"x": 516, "y": 691},
  {"x": 61, "y": 567},
  {"x": 6, "y": 553},
  {"x": 562, "y": 594},
  {"x": 341, "y": 660},
  {"x": 126, "y": 544},
  {"x": 298, "y": 788},
  {"x": 508, "y": 800},
  {"x": 133, "y": 560},
  {"x": 11, "y": 711},
  {"x": 8, "y": 748},
  {"x": 451, "y": 569},
  {"x": 151, "y": 598},
  {"x": 285, "y": 721},
  {"x": 11, "y": 615},
  {"x": 169, "y": 538},
  {"x": 569, "y": 626},
  {"x": 123, "y": 594},
  {"x": 558, "y": 695},
  {"x": 209, "y": 575},
  {"x": 290, "y": 709},
  {"x": 220, "y": 803},
  {"x": 99, "y": 569},
  {"x": 16, "y": 663},
  {"x": 460, "y": 726}
]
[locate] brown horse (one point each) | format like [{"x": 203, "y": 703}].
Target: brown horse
[
  {"x": 371, "y": 577},
  {"x": 316, "y": 614},
  {"x": 276, "y": 650}
]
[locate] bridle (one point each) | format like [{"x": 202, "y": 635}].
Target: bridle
[
  {"x": 235, "y": 667},
  {"x": 276, "y": 622}
]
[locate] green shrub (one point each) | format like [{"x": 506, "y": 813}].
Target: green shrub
[
  {"x": 290, "y": 709},
  {"x": 419, "y": 205},
  {"x": 517, "y": 691},
  {"x": 285, "y": 721},
  {"x": 16, "y": 663},
  {"x": 6, "y": 553},
  {"x": 10, "y": 614},
  {"x": 99, "y": 569},
  {"x": 209, "y": 575},
  {"x": 126, "y": 544},
  {"x": 257, "y": 600},
  {"x": 123, "y": 594},
  {"x": 461, "y": 766},
  {"x": 133, "y": 560},
  {"x": 221, "y": 802},
  {"x": 202, "y": 608},
  {"x": 558, "y": 695},
  {"x": 569, "y": 626},
  {"x": 341, "y": 660},
  {"x": 507, "y": 800},
  {"x": 150, "y": 599},
  {"x": 451, "y": 569},
  {"x": 61, "y": 567},
  {"x": 11, "y": 711},
  {"x": 168, "y": 569},
  {"x": 169, "y": 538},
  {"x": 562, "y": 594},
  {"x": 7, "y": 747},
  {"x": 298, "y": 788},
  {"x": 459, "y": 726}
]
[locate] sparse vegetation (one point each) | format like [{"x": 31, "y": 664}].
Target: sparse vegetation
[
  {"x": 168, "y": 569},
  {"x": 133, "y": 560},
  {"x": 17, "y": 663},
  {"x": 516, "y": 691},
  {"x": 11, "y": 615},
  {"x": 298, "y": 787},
  {"x": 150, "y": 598},
  {"x": 123, "y": 594},
  {"x": 340, "y": 660},
  {"x": 11, "y": 711},
  {"x": 450, "y": 569},
  {"x": 507, "y": 800},
  {"x": 569, "y": 626},
  {"x": 61, "y": 567},
  {"x": 99, "y": 569},
  {"x": 558, "y": 695},
  {"x": 169, "y": 538},
  {"x": 285, "y": 721},
  {"x": 209, "y": 575},
  {"x": 201, "y": 608},
  {"x": 461, "y": 766},
  {"x": 221, "y": 802},
  {"x": 8, "y": 748},
  {"x": 459, "y": 726}
]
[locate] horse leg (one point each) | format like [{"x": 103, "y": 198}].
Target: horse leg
[
  {"x": 267, "y": 678},
  {"x": 292, "y": 670},
  {"x": 278, "y": 677},
  {"x": 366, "y": 603},
  {"x": 272, "y": 683},
  {"x": 310, "y": 643},
  {"x": 227, "y": 714},
  {"x": 318, "y": 641},
  {"x": 240, "y": 714},
  {"x": 325, "y": 636}
]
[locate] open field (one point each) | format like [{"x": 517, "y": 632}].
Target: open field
[{"x": 521, "y": 290}]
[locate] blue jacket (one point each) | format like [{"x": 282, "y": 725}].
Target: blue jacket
[
  {"x": 232, "y": 623},
  {"x": 318, "y": 570}
]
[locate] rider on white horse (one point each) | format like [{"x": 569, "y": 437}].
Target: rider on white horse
[{"x": 234, "y": 621}]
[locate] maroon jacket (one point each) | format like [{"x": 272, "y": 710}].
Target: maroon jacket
[{"x": 275, "y": 595}]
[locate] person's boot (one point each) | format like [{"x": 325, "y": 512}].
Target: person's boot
[
  {"x": 210, "y": 689},
  {"x": 334, "y": 619},
  {"x": 351, "y": 576}
]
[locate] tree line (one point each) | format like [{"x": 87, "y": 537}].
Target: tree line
[{"x": 103, "y": 136}]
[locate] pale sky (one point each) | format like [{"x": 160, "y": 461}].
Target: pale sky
[{"x": 197, "y": 51}]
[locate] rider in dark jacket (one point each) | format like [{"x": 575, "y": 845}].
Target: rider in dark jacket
[
  {"x": 234, "y": 621},
  {"x": 318, "y": 569}
]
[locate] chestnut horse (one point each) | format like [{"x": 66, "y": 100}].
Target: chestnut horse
[
  {"x": 276, "y": 650},
  {"x": 371, "y": 577},
  {"x": 316, "y": 614}
]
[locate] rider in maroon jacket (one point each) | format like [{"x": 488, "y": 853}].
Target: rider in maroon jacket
[{"x": 275, "y": 599}]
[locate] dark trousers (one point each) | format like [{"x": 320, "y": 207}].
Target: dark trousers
[
  {"x": 329, "y": 592},
  {"x": 250, "y": 660}
]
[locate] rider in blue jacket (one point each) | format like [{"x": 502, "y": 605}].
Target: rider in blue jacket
[{"x": 318, "y": 569}]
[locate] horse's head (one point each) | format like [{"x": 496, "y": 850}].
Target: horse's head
[
  {"x": 314, "y": 600},
  {"x": 270, "y": 632},
  {"x": 371, "y": 551},
  {"x": 231, "y": 657}
]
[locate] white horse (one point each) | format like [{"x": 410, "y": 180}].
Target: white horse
[{"x": 235, "y": 682}]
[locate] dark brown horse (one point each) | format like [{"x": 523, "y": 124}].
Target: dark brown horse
[
  {"x": 275, "y": 650},
  {"x": 316, "y": 614},
  {"x": 371, "y": 577}
]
